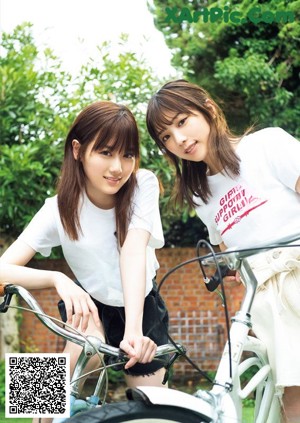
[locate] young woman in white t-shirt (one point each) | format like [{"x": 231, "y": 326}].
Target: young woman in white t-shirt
[
  {"x": 246, "y": 191},
  {"x": 106, "y": 218}
]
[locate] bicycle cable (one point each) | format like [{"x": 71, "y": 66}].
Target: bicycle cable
[
  {"x": 159, "y": 286},
  {"x": 182, "y": 353},
  {"x": 104, "y": 365},
  {"x": 172, "y": 270},
  {"x": 203, "y": 241},
  {"x": 199, "y": 259}
]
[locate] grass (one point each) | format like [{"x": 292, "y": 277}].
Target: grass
[
  {"x": 248, "y": 415},
  {"x": 190, "y": 388}
]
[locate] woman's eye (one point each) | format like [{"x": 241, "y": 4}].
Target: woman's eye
[
  {"x": 105, "y": 152},
  {"x": 181, "y": 122},
  {"x": 129, "y": 156},
  {"x": 165, "y": 138}
]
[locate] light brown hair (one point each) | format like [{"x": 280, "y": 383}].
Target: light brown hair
[{"x": 181, "y": 96}]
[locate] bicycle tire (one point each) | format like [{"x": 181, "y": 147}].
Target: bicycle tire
[{"x": 139, "y": 412}]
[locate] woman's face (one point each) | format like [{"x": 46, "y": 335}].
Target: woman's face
[
  {"x": 106, "y": 172},
  {"x": 187, "y": 136}
]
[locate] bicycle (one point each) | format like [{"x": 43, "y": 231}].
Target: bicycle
[
  {"x": 90, "y": 346},
  {"x": 223, "y": 403}
]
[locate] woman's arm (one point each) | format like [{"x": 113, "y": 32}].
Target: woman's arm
[
  {"x": 12, "y": 271},
  {"x": 298, "y": 184},
  {"x": 222, "y": 247},
  {"x": 133, "y": 272},
  {"x": 12, "y": 268}
]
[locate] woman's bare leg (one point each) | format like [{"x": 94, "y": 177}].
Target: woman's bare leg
[
  {"x": 291, "y": 404},
  {"x": 151, "y": 380},
  {"x": 75, "y": 350}
]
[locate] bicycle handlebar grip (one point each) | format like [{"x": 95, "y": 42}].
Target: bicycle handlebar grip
[
  {"x": 7, "y": 298},
  {"x": 215, "y": 281}
]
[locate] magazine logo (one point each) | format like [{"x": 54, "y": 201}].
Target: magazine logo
[{"x": 215, "y": 14}]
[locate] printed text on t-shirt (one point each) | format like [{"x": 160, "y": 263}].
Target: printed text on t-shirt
[{"x": 236, "y": 204}]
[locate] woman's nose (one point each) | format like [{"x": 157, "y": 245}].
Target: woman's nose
[
  {"x": 180, "y": 137},
  {"x": 116, "y": 165}
]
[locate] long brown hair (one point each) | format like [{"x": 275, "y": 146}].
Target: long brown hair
[
  {"x": 181, "y": 96},
  {"x": 100, "y": 122}
]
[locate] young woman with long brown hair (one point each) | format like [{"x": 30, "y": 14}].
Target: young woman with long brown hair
[
  {"x": 246, "y": 190},
  {"x": 106, "y": 218}
]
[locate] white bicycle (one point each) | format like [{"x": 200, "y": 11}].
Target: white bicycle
[{"x": 223, "y": 403}]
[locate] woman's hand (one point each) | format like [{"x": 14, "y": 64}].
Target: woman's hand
[
  {"x": 233, "y": 277},
  {"x": 139, "y": 348},
  {"x": 76, "y": 300},
  {"x": 78, "y": 303}
]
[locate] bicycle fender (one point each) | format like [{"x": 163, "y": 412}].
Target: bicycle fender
[
  {"x": 171, "y": 397},
  {"x": 77, "y": 405}
]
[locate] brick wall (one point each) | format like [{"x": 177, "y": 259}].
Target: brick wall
[{"x": 196, "y": 315}]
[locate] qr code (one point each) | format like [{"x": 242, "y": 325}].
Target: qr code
[{"x": 37, "y": 385}]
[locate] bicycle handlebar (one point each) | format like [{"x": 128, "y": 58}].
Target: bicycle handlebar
[
  {"x": 233, "y": 256},
  {"x": 8, "y": 290},
  {"x": 235, "y": 259}
]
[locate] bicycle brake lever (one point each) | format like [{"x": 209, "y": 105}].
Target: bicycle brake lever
[
  {"x": 7, "y": 299},
  {"x": 116, "y": 362},
  {"x": 168, "y": 366},
  {"x": 213, "y": 283},
  {"x": 123, "y": 356}
]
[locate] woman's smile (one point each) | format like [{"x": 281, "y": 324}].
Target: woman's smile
[
  {"x": 191, "y": 148},
  {"x": 187, "y": 136},
  {"x": 106, "y": 171},
  {"x": 112, "y": 180}
]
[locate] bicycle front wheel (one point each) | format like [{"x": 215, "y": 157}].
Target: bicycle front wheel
[{"x": 139, "y": 412}]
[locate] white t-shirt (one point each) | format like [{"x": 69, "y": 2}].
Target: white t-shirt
[
  {"x": 94, "y": 257},
  {"x": 261, "y": 204}
]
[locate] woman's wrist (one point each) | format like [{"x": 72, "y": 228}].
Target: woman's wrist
[
  {"x": 135, "y": 329},
  {"x": 55, "y": 278}
]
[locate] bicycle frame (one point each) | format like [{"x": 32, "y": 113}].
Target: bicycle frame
[
  {"x": 262, "y": 381},
  {"x": 90, "y": 346},
  {"x": 226, "y": 396},
  {"x": 223, "y": 403}
]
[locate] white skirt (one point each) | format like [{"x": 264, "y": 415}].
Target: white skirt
[{"x": 276, "y": 312}]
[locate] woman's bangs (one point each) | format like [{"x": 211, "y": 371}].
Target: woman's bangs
[
  {"x": 119, "y": 135},
  {"x": 163, "y": 111}
]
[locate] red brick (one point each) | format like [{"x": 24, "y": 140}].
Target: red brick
[{"x": 185, "y": 296}]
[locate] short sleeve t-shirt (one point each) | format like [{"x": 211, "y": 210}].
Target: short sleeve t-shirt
[
  {"x": 260, "y": 204},
  {"x": 94, "y": 257}
]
